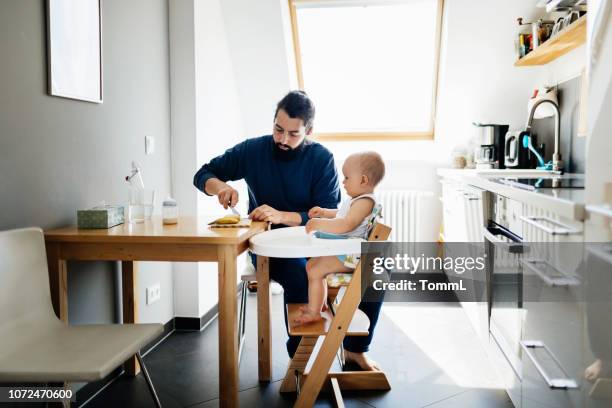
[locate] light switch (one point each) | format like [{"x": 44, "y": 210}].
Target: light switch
[{"x": 149, "y": 145}]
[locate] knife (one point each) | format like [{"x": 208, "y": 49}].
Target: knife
[{"x": 235, "y": 212}]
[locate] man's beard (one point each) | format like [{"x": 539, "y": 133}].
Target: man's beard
[{"x": 286, "y": 155}]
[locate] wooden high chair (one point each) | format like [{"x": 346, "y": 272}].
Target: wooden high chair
[{"x": 308, "y": 371}]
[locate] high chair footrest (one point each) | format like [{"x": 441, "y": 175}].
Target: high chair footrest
[
  {"x": 355, "y": 380},
  {"x": 358, "y": 327}
]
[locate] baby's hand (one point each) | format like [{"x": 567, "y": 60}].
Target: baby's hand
[
  {"x": 311, "y": 226},
  {"x": 315, "y": 212}
]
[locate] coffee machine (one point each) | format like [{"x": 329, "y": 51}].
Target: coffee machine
[{"x": 490, "y": 152}]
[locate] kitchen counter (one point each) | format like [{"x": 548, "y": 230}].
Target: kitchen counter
[
  {"x": 567, "y": 202},
  {"x": 458, "y": 173}
]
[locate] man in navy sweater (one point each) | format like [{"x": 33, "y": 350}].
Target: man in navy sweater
[{"x": 286, "y": 174}]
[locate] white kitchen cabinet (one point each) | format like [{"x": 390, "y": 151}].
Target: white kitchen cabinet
[
  {"x": 453, "y": 210},
  {"x": 473, "y": 213},
  {"x": 463, "y": 221},
  {"x": 462, "y": 207}
]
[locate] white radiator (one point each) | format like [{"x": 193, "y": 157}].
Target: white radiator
[{"x": 401, "y": 210}]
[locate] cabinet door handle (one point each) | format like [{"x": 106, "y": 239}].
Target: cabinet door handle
[
  {"x": 603, "y": 209},
  {"x": 559, "y": 229},
  {"x": 515, "y": 246},
  {"x": 554, "y": 383},
  {"x": 561, "y": 280},
  {"x": 471, "y": 197},
  {"x": 602, "y": 252}
]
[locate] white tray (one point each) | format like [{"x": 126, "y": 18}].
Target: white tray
[{"x": 293, "y": 242}]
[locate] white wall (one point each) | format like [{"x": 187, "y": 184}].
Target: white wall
[
  {"x": 258, "y": 48},
  {"x": 478, "y": 80},
  {"x": 58, "y": 155},
  {"x": 218, "y": 119},
  {"x": 206, "y": 120},
  {"x": 183, "y": 129}
]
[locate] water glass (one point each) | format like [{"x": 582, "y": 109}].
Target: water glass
[{"x": 140, "y": 204}]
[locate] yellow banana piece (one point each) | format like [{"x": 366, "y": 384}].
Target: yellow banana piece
[{"x": 228, "y": 219}]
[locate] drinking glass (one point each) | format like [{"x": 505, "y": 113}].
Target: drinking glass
[{"x": 140, "y": 204}]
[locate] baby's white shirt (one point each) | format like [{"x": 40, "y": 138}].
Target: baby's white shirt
[{"x": 361, "y": 231}]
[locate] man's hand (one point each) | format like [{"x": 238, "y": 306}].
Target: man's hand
[
  {"x": 267, "y": 213},
  {"x": 228, "y": 197},
  {"x": 316, "y": 212},
  {"x": 312, "y": 225}
]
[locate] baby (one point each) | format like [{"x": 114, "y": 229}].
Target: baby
[{"x": 362, "y": 172}]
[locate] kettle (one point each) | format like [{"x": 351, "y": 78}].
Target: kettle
[{"x": 518, "y": 154}]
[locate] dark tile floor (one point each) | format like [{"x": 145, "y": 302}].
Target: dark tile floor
[{"x": 428, "y": 350}]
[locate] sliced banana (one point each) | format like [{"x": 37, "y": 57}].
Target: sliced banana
[{"x": 228, "y": 219}]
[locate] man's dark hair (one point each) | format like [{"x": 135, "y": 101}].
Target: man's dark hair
[{"x": 298, "y": 105}]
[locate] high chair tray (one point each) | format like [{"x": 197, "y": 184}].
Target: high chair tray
[{"x": 293, "y": 242}]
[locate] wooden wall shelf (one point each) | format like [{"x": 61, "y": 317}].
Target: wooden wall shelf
[{"x": 569, "y": 38}]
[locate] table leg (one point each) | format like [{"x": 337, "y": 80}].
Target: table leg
[
  {"x": 58, "y": 281},
  {"x": 129, "y": 278},
  {"x": 264, "y": 329},
  {"x": 228, "y": 331}
]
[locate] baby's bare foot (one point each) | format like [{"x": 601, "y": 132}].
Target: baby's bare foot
[
  {"x": 361, "y": 360},
  {"x": 305, "y": 308},
  {"x": 593, "y": 371},
  {"x": 307, "y": 316}
]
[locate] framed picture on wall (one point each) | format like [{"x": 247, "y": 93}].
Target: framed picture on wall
[{"x": 74, "y": 49}]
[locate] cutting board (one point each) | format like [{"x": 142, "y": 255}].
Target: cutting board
[{"x": 244, "y": 223}]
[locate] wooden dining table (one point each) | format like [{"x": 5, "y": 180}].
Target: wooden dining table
[{"x": 190, "y": 240}]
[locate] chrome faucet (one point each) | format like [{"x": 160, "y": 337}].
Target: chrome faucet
[{"x": 557, "y": 163}]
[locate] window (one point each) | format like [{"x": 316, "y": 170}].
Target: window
[{"x": 370, "y": 66}]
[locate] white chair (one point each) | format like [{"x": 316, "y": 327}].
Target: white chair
[{"x": 37, "y": 347}]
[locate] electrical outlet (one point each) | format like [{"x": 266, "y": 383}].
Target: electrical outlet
[{"x": 153, "y": 293}]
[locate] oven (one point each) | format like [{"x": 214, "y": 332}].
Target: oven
[{"x": 504, "y": 250}]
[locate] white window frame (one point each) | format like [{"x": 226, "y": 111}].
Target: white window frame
[{"x": 366, "y": 136}]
